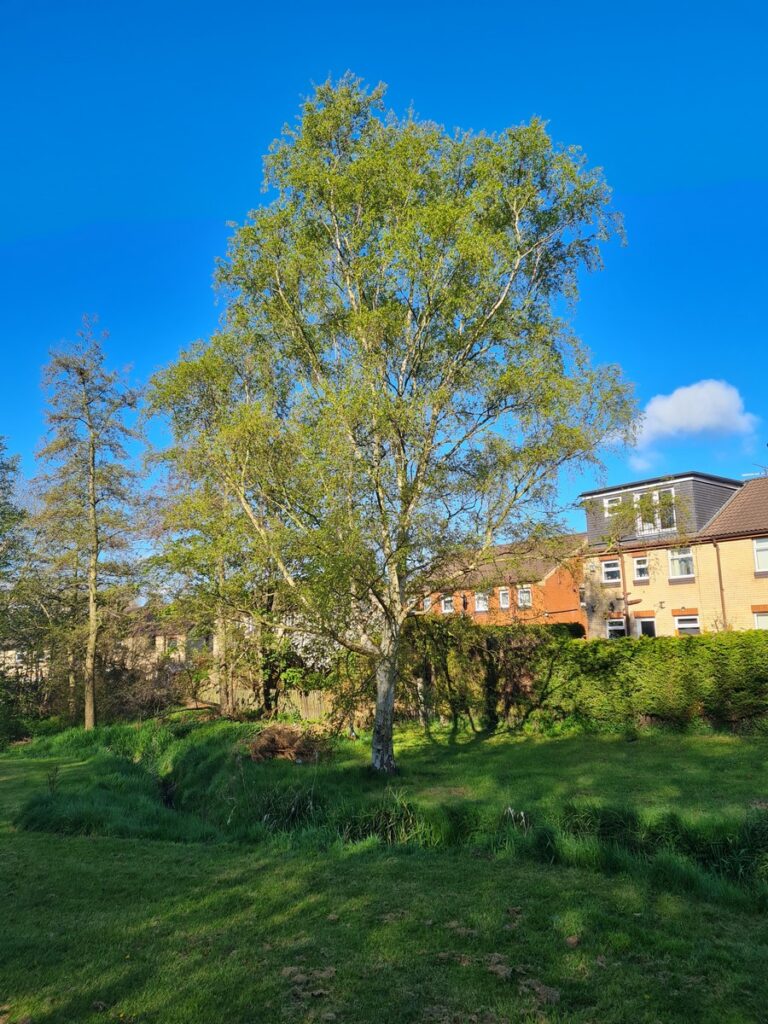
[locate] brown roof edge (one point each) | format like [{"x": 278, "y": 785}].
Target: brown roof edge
[{"x": 744, "y": 514}]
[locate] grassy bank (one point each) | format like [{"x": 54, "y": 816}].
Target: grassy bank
[
  {"x": 685, "y": 809},
  {"x": 113, "y": 922}
]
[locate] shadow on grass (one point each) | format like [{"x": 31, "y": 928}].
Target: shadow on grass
[
  {"x": 150, "y": 932},
  {"x": 201, "y": 788}
]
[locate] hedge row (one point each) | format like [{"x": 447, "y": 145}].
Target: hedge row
[{"x": 719, "y": 678}]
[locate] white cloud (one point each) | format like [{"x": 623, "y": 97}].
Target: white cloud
[
  {"x": 707, "y": 407},
  {"x": 642, "y": 463}
]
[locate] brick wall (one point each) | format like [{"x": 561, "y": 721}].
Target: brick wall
[{"x": 554, "y": 599}]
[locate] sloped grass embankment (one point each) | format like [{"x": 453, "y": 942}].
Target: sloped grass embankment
[{"x": 597, "y": 802}]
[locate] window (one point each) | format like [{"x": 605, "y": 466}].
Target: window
[
  {"x": 447, "y": 603},
  {"x": 612, "y": 571},
  {"x": 641, "y": 569},
  {"x": 761, "y": 555},
  {"x": 647, "y": 627},
  {"x": 681, "y": 563},
  {"x": 610, "y": 506},
  {"x": 687, "y": 625},
  {"x": 761, "y": 620},
  {"x": 426, "y": 604},
  {"x": 582, "y": 597},
  {"x": 615, "y": 628},
  {"x": 646, "y": 513},
  {"x": 481, "y": 602},
  {"x": 524, "y": 597},
  {"x": 655, "y": 510},
  {"x": 504, "y": 598},
  {"x": 666, "y": 501}
]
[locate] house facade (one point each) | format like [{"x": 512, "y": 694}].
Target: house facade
[
  {"x": 677, "y": 555},
  {"x": 537, "y": 584}
]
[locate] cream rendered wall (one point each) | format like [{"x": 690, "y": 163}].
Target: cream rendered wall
[{"x": 698, "y": 597}]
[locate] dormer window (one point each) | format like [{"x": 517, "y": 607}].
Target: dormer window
[
  {"x": 611, "y": 506},
  {"x": 655, "y": 510}
]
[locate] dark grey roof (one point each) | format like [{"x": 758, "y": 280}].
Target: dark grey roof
[{"x": 670, "y": 478}]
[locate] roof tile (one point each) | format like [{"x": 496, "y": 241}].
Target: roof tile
[{"x": 745, "y": 513}]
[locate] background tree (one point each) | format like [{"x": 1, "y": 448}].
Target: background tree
[
  {"x": 394, "y": 390},
  {"x": 85, "y": 499},
  {"x": 215, "y": 573},
  {"x": 11, "y": 517}
]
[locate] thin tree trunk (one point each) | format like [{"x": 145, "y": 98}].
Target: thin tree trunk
[
  {"x": 222, "y": 652},
  {"x": 93, "y": 608},
  {"x": 72, "y": 683},
  {"x": 382, "y": 746},
  {"x": 222, "y": 665}
]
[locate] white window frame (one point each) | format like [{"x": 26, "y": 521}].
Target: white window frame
[
  {"x": 761, "y": 616},
  {"x": 504, "y": 597},
  {"x": 481, "y": 597},
  {"x": 641, "y": 558},
  {"x": 612, "y": 625},
  {"x": 675, "y": 556},
  {"x": 655, "y": 526},
  {"x": 528, "y": 601},
  {"x": 426, "y": 602},
  {"x": 672, "y": 509},
  {"x": 640, "y": 623},
  {"x": 691, "y": 622},
  {"x": 611, "y": 561},
  {"x": 760, "y": 547},
  {"x": 641, "y": 526},
  {"x": 611, "y": 503},
  {"x": 446, "y": 604}
]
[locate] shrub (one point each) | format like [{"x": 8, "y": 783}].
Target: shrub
[{"x": 720, "y": 679}]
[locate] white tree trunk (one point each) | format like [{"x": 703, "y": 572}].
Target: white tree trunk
[{"x": 382, "y": 747}]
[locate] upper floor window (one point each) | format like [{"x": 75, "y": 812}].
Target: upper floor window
[
  {"x": 504, "y": 597},
  {"x": 761, "y": 620},
  {"x": 612, "y": 571},
  {"x": 611, "y": 505},
  {"x": 524, "y": 597},
  {"x": 481, "y": 602},
  {"x": 447, "y": 603},
  {"x": 681, "y": 563},
  {"x": 761, "y": 554},
  {"x": 426, "y": 603},
  {"x": 641, "y": 570},
  {"x": 656, "y": 510}
]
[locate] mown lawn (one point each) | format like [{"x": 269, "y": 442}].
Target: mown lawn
[{"x": 102, "y": 929}]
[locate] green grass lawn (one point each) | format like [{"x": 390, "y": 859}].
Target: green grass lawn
[{"x": 99, "y": 929}]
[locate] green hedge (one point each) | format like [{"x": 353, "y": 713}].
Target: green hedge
[
  {"x": 720, "y": 679},
  {"x": 538, "y": 677}
]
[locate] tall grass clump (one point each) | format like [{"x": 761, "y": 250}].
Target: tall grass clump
[{"x": 120, "y": 799}]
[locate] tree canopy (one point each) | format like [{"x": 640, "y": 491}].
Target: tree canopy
[{"x": 395, "y": 385}]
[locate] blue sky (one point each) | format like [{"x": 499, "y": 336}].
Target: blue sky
[{"x": 133, "y": 132}]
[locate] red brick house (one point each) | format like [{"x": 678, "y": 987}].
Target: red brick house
[{"x": 520, "y": 583}]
